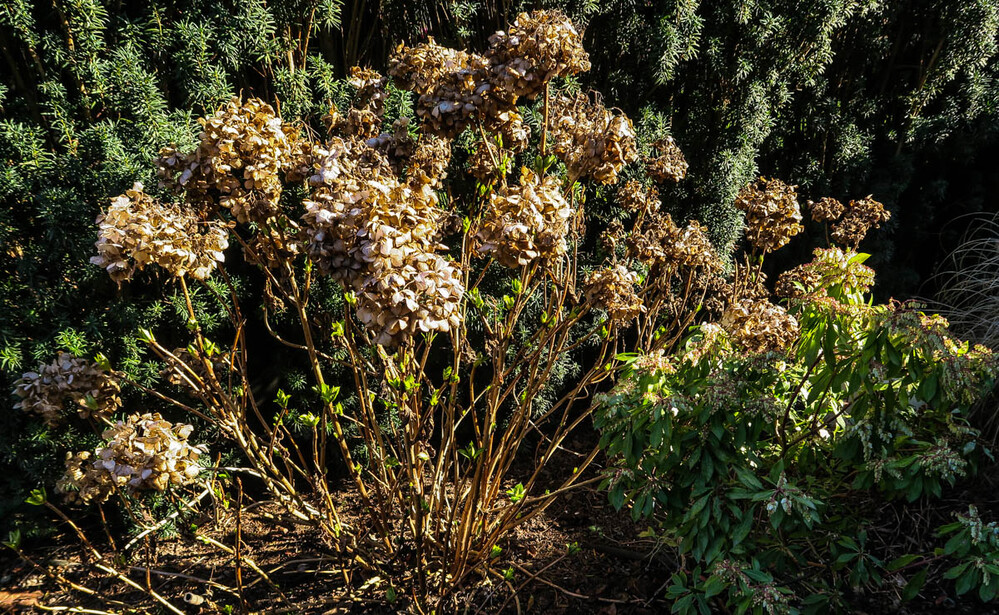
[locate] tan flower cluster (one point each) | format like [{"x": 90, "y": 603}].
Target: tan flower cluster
[
  {"x": 829, "y": 268},
  {"x": 376, "y": 234},
  {"x": 490, "y": 163},
  {"x": 759, "y": 326},
  {"x": 634, "y": 197},
  {"x": 360, "y": 217},
  {"x": 613, "y": 289},
  {"x": 590, "y": 139},
  {"x": 451, "y": 84},
  {"x": 370, "y": 86},
  {"x": 660, "y": 242},
  {"x": 89, "y": 389},
  {"x": 143, "y": 453},
  {"x": 243, "y": 152},
  {"x": 826, "y": 209},
  {"x": 539, "y": 47},
  {"x": 669, "y": 164},
  {"x": 428, "y": 163},
  {"x": 422, "y": 294},
  {"x": 138, "y": 230},
  {"x": 525, "y": 222},
  {"x": 860, "y": 217},
  {"x": 772, "y": 213}
]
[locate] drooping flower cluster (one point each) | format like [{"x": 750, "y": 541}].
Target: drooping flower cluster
[
  {"x": 244, "y": 151},
  {"x": 525, "y": 222},
  {"x": 772, "y": 213},
  {"x": 376, "y": 234},
  {"x": 138, "y": 230},
  {"x": 456, "y": 88},
  {"x": 669, "y": 164},
  {"x": 613, "y": 289},
  {"x": 860, "y": 217},
  {"x": 142, "y": 453},
  {"x": 661, "y": 243},
  {"x": 826, "y": 209},
  {"x": 68, "y": 380},
  {"x": 590, "y": 139},
  {"x": 759, "y": 326},
  {"x": 539, "y": 47},
  {"x": 634, "y": 197}
]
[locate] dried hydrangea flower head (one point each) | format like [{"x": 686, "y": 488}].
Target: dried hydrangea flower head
[
  {"x": 538, "y": 47},
  {"x": 138, "y": 230},
  {"x": 143, "y": 453},
  {"x": 826, "y": 209},
  {"x": 489, "y": 162},
  {"x": 243, "y": 152},
  {"x": 421, "y": 295},
  {"x": 830, "y": 268},
  {"x": 451, "y": 84},
  {"x": 525, "y": 222},
  {"x": 660, "y": 243},
  {"x": 613, "y": 289},
  {"x": 634, "y": 197},
  {"x": 590, "y": 139},
  {"x": 668, "y": 164},
  {"x": 427, "y": 168},
  {"x": 860, "y": 217},
  {"x": 83, "y": 385},
  {"x": 370, "y": 86},
  {"x": 759, "y": 326},
  {"x": 772, "y": 213}
]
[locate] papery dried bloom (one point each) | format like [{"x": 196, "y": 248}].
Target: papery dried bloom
[
  {"x": 634, "y": 197},
  {"x": 243, "y": 151},
  {"x": 772, "y": 213},
  {"x": 138, "y": 230},
  {"x": 826, "y": 209},
  {"x": 525, "y": 222},
  {"x": 423, "y": 294},
  {"x": 660, "y": 243},
  {"x": 490, "y": 163},
  {"x": 85, "y": 387},
  {"x": 451, "y": 84},
  {"x": 363, "y": 124},
  {"x": 860, "y": 217},
  {"x": 370, "y": 85},
  {"x": 359, "y": 212},
  {"x": 611, "y": 237},
  {"x": 591, "y": 140},
  {"x": 539, "y": 46},
  {"x": 143, "y": 453},
  {"x": 613, "y": 290},
  {"x": 759, "y": 326},
  {"x": 509, "y": 125},
  {"x": 829, "y": 268},
  {"x": 669, "y": 164},
  {"x": 429, "y": 162}
]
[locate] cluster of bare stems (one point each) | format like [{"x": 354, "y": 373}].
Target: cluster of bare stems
[{"x": 428, "y": 382}]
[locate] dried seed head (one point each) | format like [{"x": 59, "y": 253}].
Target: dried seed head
[
  {"x": 826, "y": 209},
  {"x": 772, "y": 213},
  {"x": 539, "y": 46},
  {"x": 137, "y": 230},
  {"x": 142, "y": 453},
  {"x": 591, "y": 140},
  {"x": 860, "y": 217},
  {"x": 613, "y": 289},
  {"x": 759, "y": 326},
  {"x": 636, "y": 198},
  {"x": 669, "y": 164},
  {"x": 68, "y": 380},
  {"x": 525, "y": 222},
  {"x": 244, "y": 149}
]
